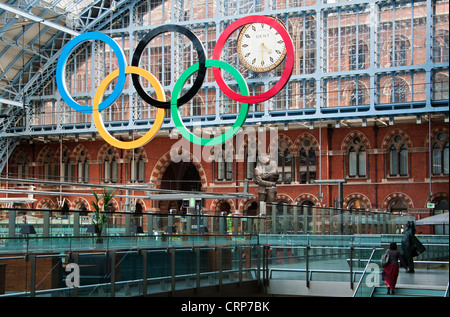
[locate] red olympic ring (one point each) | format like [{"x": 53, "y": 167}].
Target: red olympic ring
[{"x": 287, "y": 70}]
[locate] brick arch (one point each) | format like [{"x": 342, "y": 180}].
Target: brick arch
[
  {"x": 405, "y": 197},
  {"x": 305, "y": 196},
  {"x": 437, "y": 195},
  {"x": 359, "y": 196},
  {"x": 349, "y": 137},
  {"x": 43, "y": 201},
  {"x": 434, "y": 132},
  {"x": 274, "y": 142},
  {"x": 15, "y": 156},
  {"x": 284, "y": 197},
  {"x": 113, "y": 201},
  {"x": 103, "y": 152},
  {"x": 79, "y": 200},
  {"x": 58, "y": 152},
  {"x": 77, "y": 152},
  {"x": 165, "y": 160},
  {"x": 244, "y": 201},
  {"x": 43, "y": 152},
  {"x": 128, "y": 154},
  {"x": 387, "y": 138},
  {"x": 240, "y": 148},
  {"x": 303, "y": 136},
  {"x": 216, "y": 202},
  {"x": 142, "y": 202}
]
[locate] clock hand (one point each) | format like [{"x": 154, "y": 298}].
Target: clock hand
[{"x": 268, "y": 49}]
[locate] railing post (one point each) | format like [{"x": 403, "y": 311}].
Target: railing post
[
  {"x": 172, "y": 253},
  {"x": 351, "y": 267},
  {"x": 12, "y": 224},
  {"x": 76, "y": 224},
  {"x": 220, "y": 251},
  {"x": 150, "y": 224},
  {"x": 112, "y": 255},
  {"x": 295, "y": 219},
  {"x": 266, "y": 265},
  {"x": 32, "y": 259},
  {"x": 197, "y": 268},
  {"x": 76, "y": 259},
  {"x": 46, "y": 224},
  {"x": 258, "y": 264},
  {"x": 274, "y": 218},
  {"x": 307, "y": 266},
  {"x": 144, "y": 254},
  {"x": 239, "y": 252}
]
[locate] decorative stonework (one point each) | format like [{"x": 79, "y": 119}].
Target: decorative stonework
[
  {"x": 46, "y": 201},
  {"x": 216, "y": 202},
  {"x": 243, "y": 203},
  {"x": 296, "y": 146},
  {"x": 348, "y": 139},
  {"x": 388, "y": 137},
  {"x": 403, "y": 196},
  {"x": 279, "y": 140},
  {"x": 165, "y": 160},
  {"x": 285, "y": 198},
  {"x": 362, "y": 197},
  {"x": 434, "y": 133},
  {"x": 309, "y": 197},
  {"x": 76, "y": 153}
]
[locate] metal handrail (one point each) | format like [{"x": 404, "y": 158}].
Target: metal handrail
[{"x": 365, "y": 269}]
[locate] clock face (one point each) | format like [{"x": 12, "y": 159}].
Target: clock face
[{"x": 260, "y": 47}]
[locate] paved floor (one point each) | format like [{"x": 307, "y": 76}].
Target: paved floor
[{"x": 424, "y": 277}]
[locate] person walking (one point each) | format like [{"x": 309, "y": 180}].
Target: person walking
[{"x": 391, "y": 270}]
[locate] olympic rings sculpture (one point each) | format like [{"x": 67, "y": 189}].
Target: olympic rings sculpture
[{"x": 176, "y": 100}]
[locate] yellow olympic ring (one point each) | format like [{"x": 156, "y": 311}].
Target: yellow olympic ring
[{"x": 98, "y": 121}]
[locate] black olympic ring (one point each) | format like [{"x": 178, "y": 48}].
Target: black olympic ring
[{"x": 200, "y": 74}]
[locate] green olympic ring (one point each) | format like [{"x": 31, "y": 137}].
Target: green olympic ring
[{"x": 239, "y": 120}]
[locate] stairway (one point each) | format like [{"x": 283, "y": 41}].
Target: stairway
[{"x": 409, "y": 292}]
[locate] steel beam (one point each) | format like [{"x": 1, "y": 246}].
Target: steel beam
[{"x": 37, "y": 19}]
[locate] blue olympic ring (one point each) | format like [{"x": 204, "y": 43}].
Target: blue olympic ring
[{"x": 60, "y": 70}]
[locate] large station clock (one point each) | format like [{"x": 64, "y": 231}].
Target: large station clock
[{"x": 260, "y": 47}]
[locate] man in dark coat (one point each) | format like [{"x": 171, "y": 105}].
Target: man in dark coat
[{"x": 411, "y": 246}]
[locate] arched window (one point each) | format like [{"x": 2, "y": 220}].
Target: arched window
[
  {"x": 356, "y": 158},
  {"x": 110, "y": 167},
  {"x": 440, "y": 47},
  {"x": 197, "y": 105},
  {"x": 23, "y": 168},
  {"x": 224, "y": 164},
  {"x": 358, "y": 96},
  {"x": 137, "y": 167},
  {"x": 397, "y": 205},
  {"x": 284, "y": 163},
  {"x": 357, "y": 56},
  {"x": 356, "y": 204},
  {"x": 440, "y": 86},
  {"x": 400, "y": 91},
  {"x": 50, "y": 169},
  {"x": 251, "y": 158},
  {"x": 398, "y": 157},
  {"x": 440, "y": 154},
  {"x": 83, "y": 168},
  {"x": 82, "y": 208},
  {"x": 399, "y": 54},
  {"x": 307, "y": 162}
]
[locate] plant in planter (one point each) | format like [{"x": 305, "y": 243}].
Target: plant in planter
[{"x": 99, "y": 218}]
